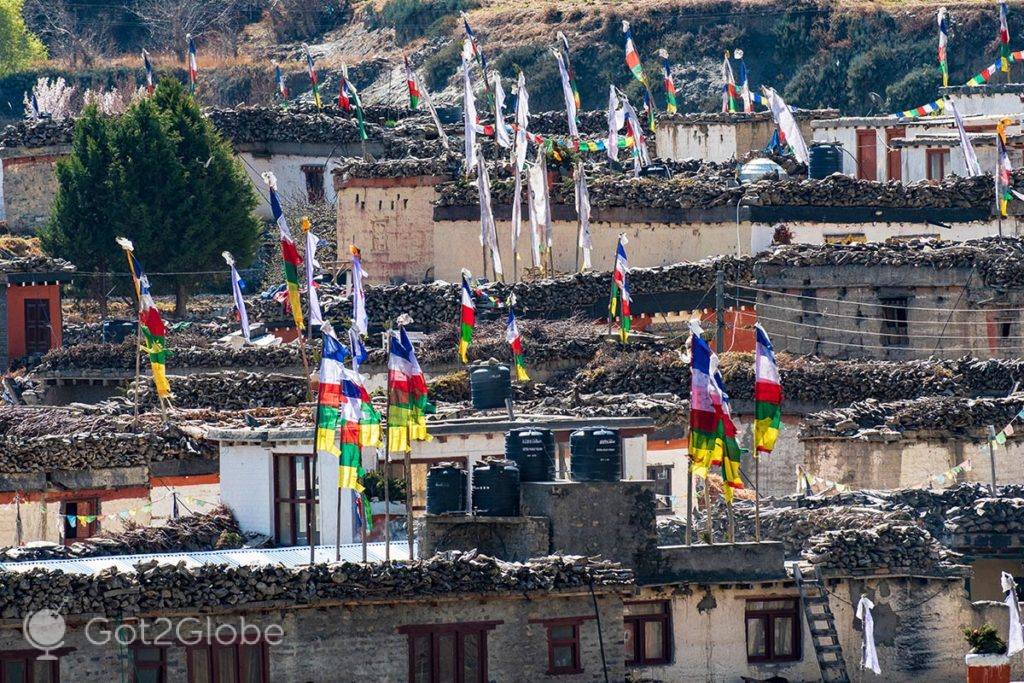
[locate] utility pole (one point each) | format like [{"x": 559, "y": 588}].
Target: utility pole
[{"x": 992, "y": 455}]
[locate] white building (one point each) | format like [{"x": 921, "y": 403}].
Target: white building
[{"x": 719, "y": 136}]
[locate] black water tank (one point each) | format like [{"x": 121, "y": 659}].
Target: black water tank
[
  {"x": 826, "y": 159},
  {"x": 489, "y": 386},
  {"x": 446, "y": 489},
  {"x": 496, "y": 489},
  {"x": 116, "y": 331},
  {"x": 596, "y": 454},
  {"x": 533, "y": 451}
]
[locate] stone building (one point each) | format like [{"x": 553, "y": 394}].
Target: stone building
[
  {"x": 28, "y": 156},
  {"x": 719, "y": 137}
]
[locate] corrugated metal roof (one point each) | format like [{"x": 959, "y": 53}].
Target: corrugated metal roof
[{"x": 248, "y": 557}]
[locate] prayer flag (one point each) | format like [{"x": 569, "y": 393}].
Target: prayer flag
[
  {"x": 467, "y": 319},
  {"x": 500, "y": 129},
  {"x": 632, "y": 56},
  {"x": 538, "y": 208},
  {"x": 767, "y": 393},
  {"x": 282, "y": 89},
  {"x": 193, "y": 65},
  {"x": 970, "y": 158},
  {"x": 236, "y": 291},
  {"x": 315, "y": 315},
  {"x": 154, "y": 333},
  {"x": 344, "y": 101},
  {"x": 729, "y": 95},
  {"x": 569, "y": 92},
  {"x": 1003, "y": 174},
  {"x": 586, "y": 242},
  {"x": 488, "y": 230},
  {"x": 671, "y": 106},
  {"x": 311, "y": 68},
  {"x": 1004, "y": 38},
  {"x": 744, "y": 85},
  {"x": 289, "y": 253},
  {"x": 616, "y": 119},
  {"x": 353, "y": 94},
  {"x": 943, "y": 39},
  {"x": 149, "y": 72},
  {"x": 519, "y": 150},
  {"x": 407, "y": 395},
  {"x": 414, "y": 91},
  {"x": 620, "y": 300},
  {"x": 359, "y": 317},
  {"x": 789, "y": 129},
  {"x": 470, "y": 120},
  {"x": 515, "y": 340}
]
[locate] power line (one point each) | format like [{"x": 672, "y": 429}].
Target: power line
[
  {"x": 878, "y": 334},
  {"x": 827, "y": 314},
  {"x": 857, "y": 303},
  {"x": 775, "y": 333}
]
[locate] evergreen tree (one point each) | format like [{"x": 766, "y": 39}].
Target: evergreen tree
[
  {"x": 86, "y": 197},
  {"x": 161, "y": 176},
  {"x": 19, "y": 47}
]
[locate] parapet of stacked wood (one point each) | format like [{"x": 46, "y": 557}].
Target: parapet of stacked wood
[
  {"x": 122, "y": 356},
  {"x": 442, "y": 165},
  {"x": 925, "y": 416},
  {"x": 42, "y": 133},
  {"x": 155, "y": 587},
  {"x": 842, "y": 190},
  {"x": 887, "y": 548},
  {"x": 236, "y": 390},
  {"x": 212, "y": 530},
  {"x": 988, "y": 516}
]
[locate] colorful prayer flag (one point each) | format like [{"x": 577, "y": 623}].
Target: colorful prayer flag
[
  {"x": 789, "y": 129},
  {"x": 744, "y": 85},
  {"x": 632, "y": 56},
  {"x": 359, "y": 317},
  {"x": 149, "y": 72},
  {"x": 312, "y": 241},
  {"x": 282, "y": 89},
  {"x": 289, "y": 253},
  {"x": 467, "y": 319},
  {"x": 1004, "y": 171},
  {"x": 943, "y": 39},
  {"x": 1004, "y": 38},
  {"x": 236, "y": 291},
  {"x": 671, "y": 106},
  {"x": 407, "y": 395},
  {"x": 414, "y": 91},
  {"x": 569, "y": 69},
  {"x": 712, "y": 438},
  {"x": 311, "y": 69},
  {"x": 344, "y": 101},
  {"x": 767, "y": 393},
  {"x": 924, "y": 109},
  {"x": 353, "y": 94},
  {"x": 515, "y": 340},
  {"x": 620, "y": 299},
  {"x": 193, "y": 64},
  {"x": 569, "y": 93},
  {"x": 329, "y": 390},
  {"x": 729, "y": 95},
  {"x": 154, "y": 333}
]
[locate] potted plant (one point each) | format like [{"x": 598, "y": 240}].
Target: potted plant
[{"x": 987, "y": 661}]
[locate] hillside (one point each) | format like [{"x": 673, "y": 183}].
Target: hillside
[{"x": 819, "y": 54}]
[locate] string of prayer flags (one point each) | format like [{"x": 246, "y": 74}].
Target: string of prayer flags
[
  {"x": 193, "y": 64},
  {"x": 923, "y": 110},
  {"x": 149, "y": 72},
  {"x": 943, "y": 39},
  {"x": 671, "y": 106},
  {"x": 311, "y": 68}
]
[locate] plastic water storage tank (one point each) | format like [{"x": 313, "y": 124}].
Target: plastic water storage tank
[
  {"x": 116, "y": 331},
  {"x": 533, "y": 451},
  {"x": 446, "y": 489},
  {"x": 496, "y": 489},
  {"x": 596, "y": 454},
  {"x": 826, "y": 159},
  {"x": 489, "y": 386}
]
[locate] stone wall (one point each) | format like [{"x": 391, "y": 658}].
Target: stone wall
[
  {"x": 29, "y": 185},
  {"x": 363, "y": 640},
  {"x": 515, "y": 539}
]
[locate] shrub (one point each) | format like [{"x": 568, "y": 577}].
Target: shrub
[
  {"x": 413, "y": 19},
  {"x": 984, "y": 640}
]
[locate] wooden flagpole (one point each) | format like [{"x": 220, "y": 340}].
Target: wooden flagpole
[
  {"x": 311, "y": 516},
  {"x": 362, "y": 516},
  {"x": 757, "y": 498},
  {"x": 337, "y": 524},
  {"x": 387, "y": 456}
]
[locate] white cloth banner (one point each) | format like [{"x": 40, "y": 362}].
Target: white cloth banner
[
  {"x": 469, "y": 117},
  {"x": 536, "y": 182},
  {"x": 786, "y": 122},
  {"x": 236, "y": 290},
  {"x": 500, "y": 130},
  {"x": 488, "y": 231},
  {"x": 583, "y": 212},
  {"x": 519, "y": 149},
  {"x": 970, "y": 158},
  {"x": 868, "y": 653},
  {"x": 616, "y": 118},
  {"x": 570, "y": 99},
  {"x": 1015, "y": 638},
  {"x": 315, "y": 316},
  {"x": 433, "y": 112}
]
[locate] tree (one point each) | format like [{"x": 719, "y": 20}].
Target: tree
[
  {"x": 162, "y": 176},
  {"x": 18, "y": 47},
  {"x": 86, "y": 197}
]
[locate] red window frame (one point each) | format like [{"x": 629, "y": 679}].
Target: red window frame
[
  {"x": 160, "y": 665},
  {"x": 210, "y": 649},
  {"x": 30, "y": 658},
  {"x": 460, "y": 630},
  {"x": 767, "y": 617},
  {"x": 637, "y": 623},
  {"x": 574, "y": 642},
  {"x": 309, "y": 499}
]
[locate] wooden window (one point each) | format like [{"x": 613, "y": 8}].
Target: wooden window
[
  {"x": 867, "y": 155},
  {"x": 894, "y": 322},
  {"x": 234, "y": 663},
  {"x": 23, "y": 666},
  {"x": 893, "y": 157},
  {"x": 648, "y": 632},
  {"x": 564, "y": 647},
  {"x": 773, "y": 630},
  {"x": 38, "y": 330},
  {"x": 936, "y": 163},
  {"x": 81, "y": 511},
  {"x": 661, "y": 475},
  {"x": 150, "y": 664},
  {"x": 295, "y": 505},
  {"x": 314, "y": 183},
  {"x": 448, "y": 653}
]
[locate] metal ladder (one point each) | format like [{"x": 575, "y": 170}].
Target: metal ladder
[{"x": 822, "y": 625}]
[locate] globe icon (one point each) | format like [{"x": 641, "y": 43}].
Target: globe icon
[{"x": 44, "y": 630}]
